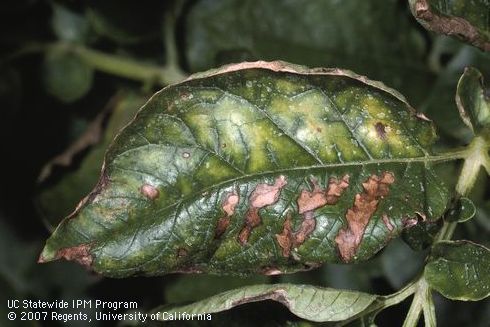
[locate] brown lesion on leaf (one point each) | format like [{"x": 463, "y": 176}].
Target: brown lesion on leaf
[
  {"x": 285, "y": 239},
  {"x": 230, "y": 202},
  {"x": 380, "y": 130},
  {"x": 409, "y": 222},
  {"x": 101, "y": 185},
  {"x": 307, "y": 203},
  {"x": 270, "y": 271},
  {"x": 288, "y": 239},
  {"x": 305, "y": 229},
  {"x": 182, "y": 252},
  {"x": 149, "y": 191},
  {"x": 449, "y": 25},
  {"x": 279, "y": 295},
  {"x": 189, "y": 270},
  {"x": 80, "y": 254},
  {"x": 365, "y": 205},
  {"x": 387, "y": 222},
  {"x": 263, "y": 195}
]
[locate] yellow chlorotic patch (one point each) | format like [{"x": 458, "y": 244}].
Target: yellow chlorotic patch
[{"x": 288, "y": 87}]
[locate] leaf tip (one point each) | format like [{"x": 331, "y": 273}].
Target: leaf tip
[{"x": 80, "y": 253}]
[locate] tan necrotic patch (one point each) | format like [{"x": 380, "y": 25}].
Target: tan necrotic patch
[
  {"x": 365, "y": 205},
  {"x": 285, "y": 239},
  {"x": 263, "y": 195},
  {"x": 149, "y": 191},
  {"x": 387, "y": 222},
  {"x": 307, "y": 203},
  {"x": 289, "y": 240},
  {"x": 380, "y": 130},
  {"x": 80, "y": 254},
  {"x": 230, "y": 201}
]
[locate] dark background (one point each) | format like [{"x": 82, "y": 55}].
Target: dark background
[{"x": 54, "y": 101}]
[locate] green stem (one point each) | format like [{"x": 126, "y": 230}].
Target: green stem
[
  {"x": 476, "y": 157},
  {"x": 401, "y": 295},
  {"x": 422, "y": 302},
  {"x": 147, "y": 73},
  {"x": 124, "y": 67},
  {"x": 386, "y": 301},
  {"x": 110, "y": 63},
  {"x": 429, "y": 309}
]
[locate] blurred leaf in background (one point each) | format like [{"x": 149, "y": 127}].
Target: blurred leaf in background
[{"x": 76, "y": 184}]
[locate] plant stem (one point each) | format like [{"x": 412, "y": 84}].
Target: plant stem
[
  {"x": 124, "y": 67},
  {"x": 422, "y": 302},
  {"x": 149, "y": 74},
  {"x": 429, "y": 309},
  {"x": 477, "y": 157}
]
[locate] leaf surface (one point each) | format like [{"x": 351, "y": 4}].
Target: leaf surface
[
  {"x": 305, "y": 301},
  {"x": 466, "y": 20},
  {"x": 256, "y": 168},
  {"x": 473, "y": 100},
  {"x": 459, "y": 270}
]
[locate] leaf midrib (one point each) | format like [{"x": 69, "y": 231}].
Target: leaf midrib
[{"x": 449, "y": 156}]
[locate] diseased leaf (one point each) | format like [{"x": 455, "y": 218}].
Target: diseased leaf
[
  {"x": 473, "y": 100},
  {"x": 466, "y": 20},
  {"x": 459, "y": 270},
  {"x": 305, "y": 301},
  {"x": 256, "y": 168}
]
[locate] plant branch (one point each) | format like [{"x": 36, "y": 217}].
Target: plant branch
[
  {"x": 125, "y": 67},
  {"x": 149, "y": 74}
]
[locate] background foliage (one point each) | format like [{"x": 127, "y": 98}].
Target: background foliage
[{"x": 73, "y": 72}]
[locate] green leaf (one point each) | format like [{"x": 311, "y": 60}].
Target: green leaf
[
  {"x": 196, "y": 287},
  {"x": 69, "y": 25},
  {"x": 466, "y": 20},
  {"x": 459, "y": 270},
  {"x": 473, "y": 100},
  {"x": 256, "y": 168},
  {"x": 305, "y": 301},
  {"x": 463, "y": 211},
  {"x": 66, "y": 76}
]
